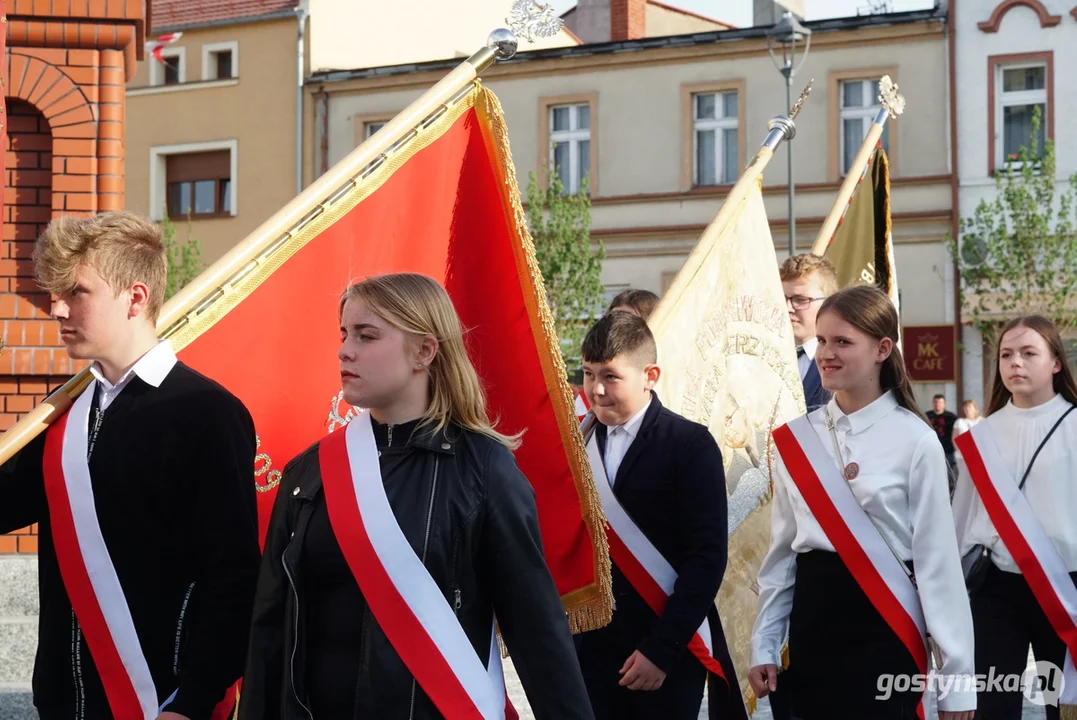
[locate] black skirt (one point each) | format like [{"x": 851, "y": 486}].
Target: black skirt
[{"x": 842, "y": 654}]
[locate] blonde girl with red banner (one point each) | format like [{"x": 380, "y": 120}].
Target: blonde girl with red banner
[
  {"x": 400, "y": 542},
  {"x": 863, "y": 562},
  {"x": 1014, "y": 507}
]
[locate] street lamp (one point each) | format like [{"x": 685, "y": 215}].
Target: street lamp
[{"x": 787, "y": 33}]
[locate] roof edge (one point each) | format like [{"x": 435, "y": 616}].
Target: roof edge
[
  {"x": 856, "y": 22},
  {"x": 224, "y": 22}
]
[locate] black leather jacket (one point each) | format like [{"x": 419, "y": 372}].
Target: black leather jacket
[{"x": 460, "y": 495}]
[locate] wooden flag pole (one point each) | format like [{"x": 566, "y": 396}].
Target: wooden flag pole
[
  {"x": 781, "y": 128},
  {"x": 249, "y": 255},
  {"x": 893, "y": 104}
]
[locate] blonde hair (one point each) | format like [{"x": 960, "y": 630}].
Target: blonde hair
[
  {"x": 799, "y": 267},
  {"x": 419, "y": 305},
  {"x": 122, "y": 247}
]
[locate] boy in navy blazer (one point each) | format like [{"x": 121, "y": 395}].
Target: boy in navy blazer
[
  {"x": 666, "y": 472},
  {"x": 808, "y": 280}
]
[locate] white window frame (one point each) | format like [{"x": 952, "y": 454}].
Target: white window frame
[
  {"x": 573, "y": 138},
  {"x": 369, "y": 127},
  {"x": 157, "y": 70},
  {"x": 1004, "y": 99},
  {"x": 159, "y": 172},
  {"x": 209, "y": 67},
  {"x": 866, "y": 113},
  {"x": 715, "y": 125}
]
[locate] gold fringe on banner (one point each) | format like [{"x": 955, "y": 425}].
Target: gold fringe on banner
[{"x": 591, "y": 607}]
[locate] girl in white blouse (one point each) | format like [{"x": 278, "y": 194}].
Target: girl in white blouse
[
  {"x": 883, "y": 463},
  {"x": 1032, "y": 391}
]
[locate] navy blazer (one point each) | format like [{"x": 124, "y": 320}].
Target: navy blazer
[
  {"x": 815, "y": 395},
  {"x": 672, "y": 484}
]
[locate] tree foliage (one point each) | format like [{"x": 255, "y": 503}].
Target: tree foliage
[
  {"x": 184, "y": 259},
  {"x": 560, "y": 225},
  {"x": 1018, "y": 252}
]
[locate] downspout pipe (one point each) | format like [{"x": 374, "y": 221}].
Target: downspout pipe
[{"x": 301, "y": 15}]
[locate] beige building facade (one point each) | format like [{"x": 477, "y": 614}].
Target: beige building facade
[
  {"x": 662, "y": 127},
  {"x": 214, "y": 134},
  {"x": 212, "y": 127}
]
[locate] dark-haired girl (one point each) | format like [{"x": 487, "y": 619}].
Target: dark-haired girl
[
  {"x": 1014, "y": 507},
  {"x": 863, "y": 563}
]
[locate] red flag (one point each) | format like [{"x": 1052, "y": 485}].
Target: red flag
[{"x": 447, "y": 206}]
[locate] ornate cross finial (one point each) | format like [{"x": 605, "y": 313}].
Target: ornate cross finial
[
  {"x": 532, "y": 19},
  {"x": 889, "y": 97},
  {"x": 800, "y": 100}
]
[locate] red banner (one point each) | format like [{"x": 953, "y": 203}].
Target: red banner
[
  {"x": 929, "y": 352},
  {"x": 448, "y": 207}
]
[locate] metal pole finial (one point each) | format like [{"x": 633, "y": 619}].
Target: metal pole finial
[
  {"x": 503, "y": 42},
  {"x": 785, "y": 124}
]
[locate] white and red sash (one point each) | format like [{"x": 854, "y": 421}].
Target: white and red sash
[
  {"x": 87, "y": 570},
  {"x": 1028, "y": 543},
  {"x": 581, "y": 406},
  {"x": 855, "y": 537},
  {"x": 406, "y": 602},
  {"x": 649, "y": 573}
]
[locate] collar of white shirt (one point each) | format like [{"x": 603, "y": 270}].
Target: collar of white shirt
[
  {"x": 866, "y": 416},
  {"x": 153, "y": 368},
  {"x": 632, "y": 425},
  {"x": 810, "y": 345}
]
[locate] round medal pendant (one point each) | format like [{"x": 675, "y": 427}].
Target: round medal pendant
[{"x": 851, "y": 471}]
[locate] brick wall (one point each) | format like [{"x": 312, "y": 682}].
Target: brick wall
[
  {"x": 628, "y": 19},
  {"x": 63, "y": 155}
]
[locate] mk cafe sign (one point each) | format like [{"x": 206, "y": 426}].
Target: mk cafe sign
[{"x": 929, "y": 352}]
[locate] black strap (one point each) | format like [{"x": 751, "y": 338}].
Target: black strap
[
  {"x": 1037, "y": 453},
  {"x": 98, "y": 416}
]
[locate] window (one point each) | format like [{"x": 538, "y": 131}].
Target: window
[
  {"x": 223, "y": 62},
  {"x": 172, "y": 76},
  {"x": 199, "y": 184},
  {"x": 172, "y": 68},
  {"x": 570, "y": 144},
  {"x": 372, "y": 127},
  {"x": 716, "y": 132},
  {"x": 859, "y": 106},
  {"x": 1021, "y": 90},
  {"x": 220, "y": 61}
]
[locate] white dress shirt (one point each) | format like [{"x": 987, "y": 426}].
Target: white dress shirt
[
  {"x": 1050, "y": 488},
  {"x": 619, "y": 438},
  {"x": 152, "y": 367},
  {"x": 903, "y": 487},
  {"x": 804, "y": 362}
]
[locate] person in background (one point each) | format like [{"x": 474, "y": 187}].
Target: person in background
[
  {"x": 807, "y": 280},
  {"x": 861, "y": 539},
  {"x": 638, "y": 302},
  {"x": 970, "y": 415},
  {"x": 661, "y": 480},
  {"x": 1015, "y": 501},
  {"x": 943, "y": 421}
]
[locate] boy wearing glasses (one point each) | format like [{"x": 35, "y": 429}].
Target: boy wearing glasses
[{"x": 807, "y": 280}]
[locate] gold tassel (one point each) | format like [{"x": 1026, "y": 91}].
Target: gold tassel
[
  {"x": 751, "y": 701},
  {"x": 1068, "y": 712}
]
